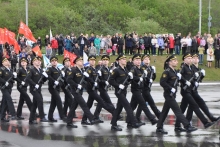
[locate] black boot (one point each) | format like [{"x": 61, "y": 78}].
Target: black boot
[
  {"x": 71, "y": 125},
  {"x": 161, "y": 131},
  {"x": 116, "y": 128}
]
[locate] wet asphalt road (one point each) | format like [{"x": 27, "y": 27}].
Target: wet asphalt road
[{"x": 21, "y": 134}]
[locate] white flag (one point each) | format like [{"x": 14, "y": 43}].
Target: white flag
[
  {"x": 51, "y": 36},
  {"x": 85, "y": 59}
]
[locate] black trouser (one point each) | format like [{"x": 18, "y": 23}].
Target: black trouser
[
  {"x": 217, "y": 63},
  {"x": 170, "y": 102},
  {"x": 160, "y": 51},
  {"x": 55, "y": 102},
  {"x": 7, "y": 103},
  {"x": 79, "y": 99},
  {"x": 104, "y": 95},
  {"x": 137, "y": 99},
  {"x": 13, "y": 67},
  {"x": 23, "y": 97},
  {"x": 148, "y": 98},
  {"x": 60, "y": 50},
  {"x": 188, "y": 99},
  {"x": 37, "y": 103},
  {"x": 146, "y": 50},
  {"x": 183, "y": 50},
  {"x": 123, "y": 103},
  {"x": 94, "y": 96},
  {"x": 202, "y": 106},
  {"x": 67, "y": 101},
  {"x": 120, "y": 49}
]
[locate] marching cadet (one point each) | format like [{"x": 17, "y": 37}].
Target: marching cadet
[
  {"x": 23, "y": 73},
  {"x": 36, "y": 78},
  {"x": 76, "y": 78},
  {"x": 199, "y": 100},
  {"x": 188, "y": 76},
  {"x": 169, "y": 81},
  {"x": 103, "y": 85},
  {"x": 66, "y": 88},
  {"x": 120, "y": 80},
  {"x": 147, "y": 83},
  {"x": 92, "y": 86},
  {"x": 136, "y": 88},
  {"x": 55, "y": 76},
  {"x": 7, "y": 77}
]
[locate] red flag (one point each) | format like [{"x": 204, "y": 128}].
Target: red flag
[
  {"x": 16, "y": 47},
  {"x": 25, "y": 30},
  {"x": 37, "y": 51},
  {"x": 6, "y": 35},
  {"x": 72, "y": 56},
  {"x": 2, "y": 36},
  {"x": 11, "y": 37}
]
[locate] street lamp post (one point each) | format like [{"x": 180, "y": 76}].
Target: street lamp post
[
  {"x": 26, "y": 10},
  {"x": 200, "y": 16}
]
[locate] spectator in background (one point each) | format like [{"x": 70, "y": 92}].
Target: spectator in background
[
  {"x": 154, "y": 44},
  {"x": 114, "y": 44},
  {"x": 217, "y": 57},
  {"x": 29, "y": 60},
  {"x": 48, "y": 51},
  {"x": 194, "y": 48},
  {"x": 60, "y": 45},
  {"x": 161, "y": 45},
  {"x": 29, "y": 43},
  {"x": 128, "y": 49},
  {"x": 184, "y": 45},
  {"x": 91, "y": 39},
  {"x": 210, "y": 56},
  {"x": 189, "y": 44},
  {"x": 202, "y": 42},
  {"x": 177, "y": 44},
  {"x": 54, "y": 45},
  {"x": 120, "y": 44},
  {"x": 166, "y": 44},
  {"x": 129, "y": 64},
  {"x": 97, "y": 43},
  {"x": 201, "y": 50},
  {"x": 68, "y": 44},
  {"x": 39, "y": 43},
  {"x": 23, "y": 53},
  {"x": 171, "y": 45},
  {"x": 82, "y": 42},
  {"x": 46, "y": 40},
  {"x": 76, "y": 49},
  {"x": 14, "y": 61},
  {"x": 141, "y": 44},
  {"x": 102, "y": 45},
  {"x": 147, "y": 43},
  {"x": 23, "y": 43},
  {"x": 215, "y": 41},
  {"x": 92, "y": 50},
  {"x": 210, "y": 41}
]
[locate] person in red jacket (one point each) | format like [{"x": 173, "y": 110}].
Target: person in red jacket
[
  {"x": 171, "y": 41},
  {"x": 54, "y": 45}
]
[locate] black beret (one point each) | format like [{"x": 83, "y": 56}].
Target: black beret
[
  {"x": 169, "y": 58},
  {"x": 23, "y": 59},
  {"x": 105, "y": 57},
  {"x": 121, "y": 57},
  {"x": 92, "y": 57},
  {"x": 195, "y": 55},
  {"x": 136, "y": 56},
  {"x": 53, "y": 58},
  {"x": 65, "y": 59},
  {"x": 4, "y": 59},
  {"x": 77, "y": 59},
  {"x": 186, "y": 55}
]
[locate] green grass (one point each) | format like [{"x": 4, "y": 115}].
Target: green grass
[{"x": 212, "y": 74}]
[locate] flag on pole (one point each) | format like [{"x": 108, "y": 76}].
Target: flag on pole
[
  {"x": 37, "y": 51},
  {"x": 72, "y": 56},
  {"x": 2, "y": 36},
  {"x": 25, "y": 30},
  {"x": 51, "y": 36},
  {"x": 47, "y": 63},
  {"x": 85, "y": 59}
]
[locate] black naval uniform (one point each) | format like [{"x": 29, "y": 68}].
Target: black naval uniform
[
  {"x": 103, "y": 93},
  {"x": 199, "y": 100},
  {"x": 22, "y": 75},
  {"x": 118, "y": 76},
  {"x": 5, "y": 75},
  {"x": 74, "y": 77},
  {"x": 33, "y": 78},
  {"x": 167, "y": 81},
  {"x": 187, "y": 74},
  {"x": 137, "y": 98},
  {"x": 93, "y": 93},
  {"x": 53, "y": 74},
  {"x": 146, "y": 92}
]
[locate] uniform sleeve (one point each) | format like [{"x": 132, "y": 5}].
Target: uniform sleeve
[
  {"x": 90, "y": 78},
  {"x": 2, "y": 81},
  {"x": 29, "y": 79},
  {"x": 113, "y": 76},
  {"x": 136, "y": 78},
  {"x": 163, "y": 81},
  {"x": 49, "y": 72},
  {"x": 19, "y": 73},
  {"x": 70, "y": 77}
]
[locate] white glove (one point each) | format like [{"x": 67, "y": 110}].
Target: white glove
[
  {"x": 130, "y": 75},
  {"x": 145, "y": 73},
  {"x": 36, "y": 86},
  {"x": 100, "y": 73},
  {"x": 188, "y": 83},
  {"x": 95, "y": 84},
  {"x": 110, "y": 71},
  {"x": 121, "y": 86},
  {"x": 45, "y": 74},
  {"x": 151, "y": 81},
  {"x": 141, "y": 79},
  {"x": 179, "y": 76},
  {"x": 6, "y": 83},
  {"x": 203, "y": 72},
  {"x": 86, "y": 74},
  {"x": 196, "y": 74},
  {"x": 63, "y": 73},
  {"x": 173, "y": 90},
  {"x": 15, "y": 74},
  {"x": 22, "y": 83},
  {"x": 79, "y": 86},
  {"x": 154, "y": 68},
  {"x": 56, "y": 83},
  {"x": 196, "y": 84},
  {"x": 106, "y": 83}
]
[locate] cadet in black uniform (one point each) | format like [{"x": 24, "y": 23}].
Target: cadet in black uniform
[
  {"x": 188, "y": 76},
  {"x": 55, "y": 77},
  {"x": 120, "y": 80},
  {"x": 75, "y": 79},
  {"x": 36, "y": 78},
  {"x": 66, "y": 88},
  {"x": 103, "y": 85},
  {"x": 167, "y": 81},
  {"x": 195, "y": 94},
  {"x": 22, "y": 84},
  {"x": 136, "y": 88},
  {"x": 151, "y": 76},
  {"x": 91, "y": 83},
  {"x": 7, "y": 77}
]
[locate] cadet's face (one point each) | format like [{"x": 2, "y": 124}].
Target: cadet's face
[
  {"x": 173, "y": 63},
  {"x": 137, "y": 62},
  {"x": 79, "y": 63},
  {"x": 188, "y": 60},
  {"x": 195, "y": 60},
  {"x": 105, "y": 62},
  {"x": 6, "y": 63},
  {"x": 54, "y": 63},
  {"x": 146, "y": 60},
  {"x": 123, "y": 61},
  {"x": 23, "y": 63},
  {"x": 36, "y": 63},
  {"x": 67, "y": 63},
  {"x": 91, "y": 62}
]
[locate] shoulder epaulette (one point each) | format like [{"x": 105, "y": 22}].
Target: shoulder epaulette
[{"x": 168, "y": 69}]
